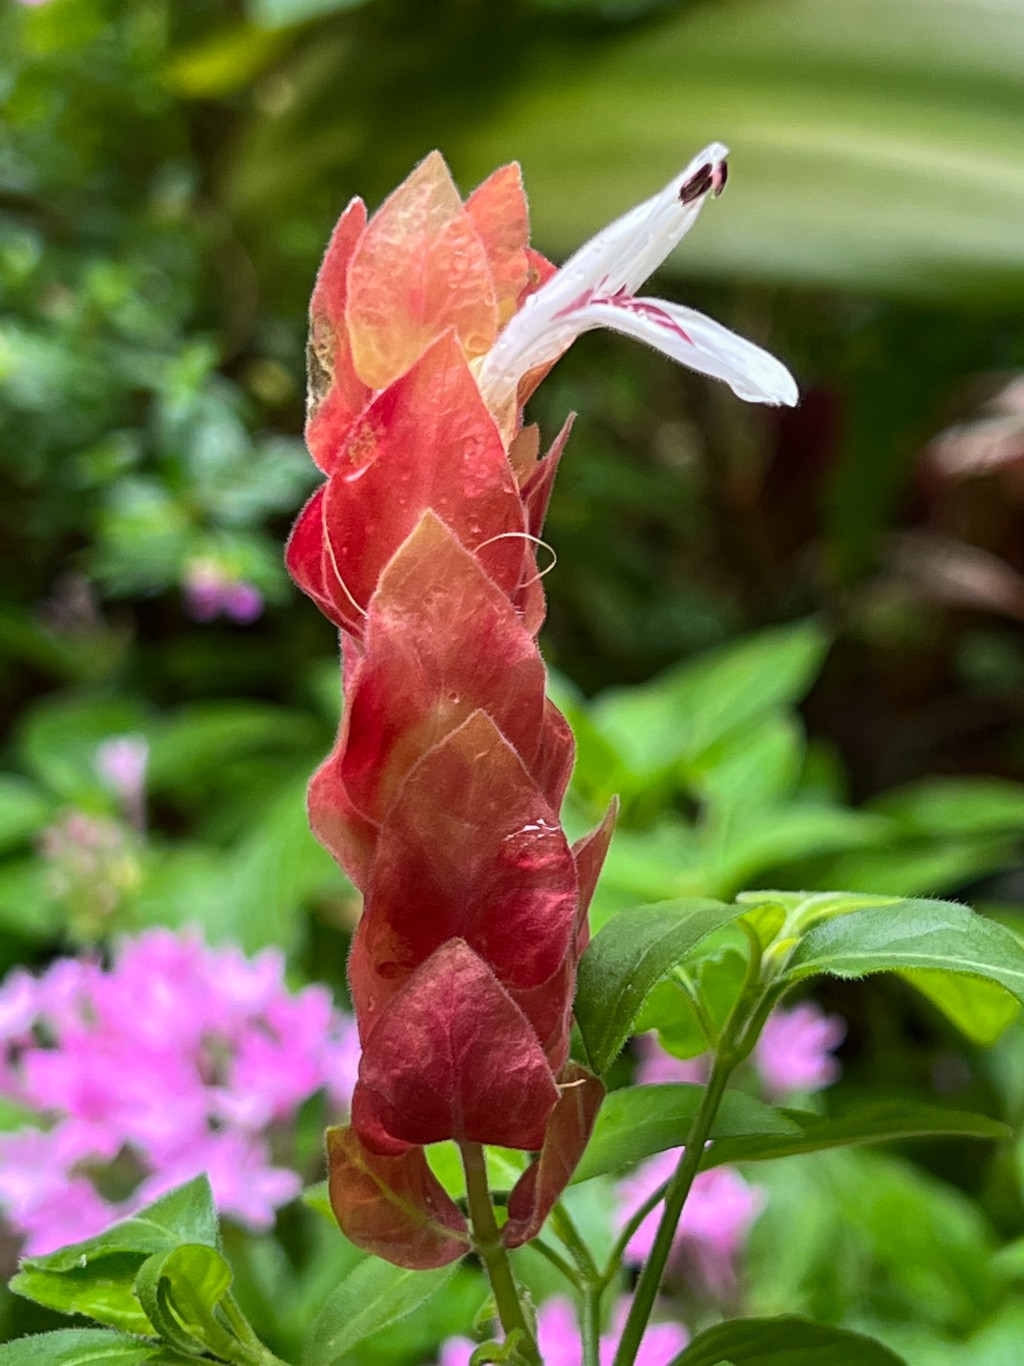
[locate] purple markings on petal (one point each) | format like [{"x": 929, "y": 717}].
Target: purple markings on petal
[{"x": 597, "y": 287}]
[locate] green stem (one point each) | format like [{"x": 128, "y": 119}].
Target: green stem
[
  {"x": 562, "y": 1223},
  {"x": 735, "y": 1042},
  {"x": 491, "y": 1250},
  {"x": 556, "y": 1260},
  {"x": 679, "y": 1188},
  {"x": 707, "y": 1025},
  {"x": 254, "y": 1350},
  {"x": 590, "y": 1322},
  {"x": 626, "y": 1236}
]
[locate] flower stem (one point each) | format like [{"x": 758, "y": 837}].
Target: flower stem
[
  {"x": 253, "y": 1351},
  {"x": 679, "y": 1188},
  {"x": 589, "y": 1281},
  {"x": 491, "y": 1250},
  {"x": 590, "y": 1322},
  {"x": 736, "y": 1040}
]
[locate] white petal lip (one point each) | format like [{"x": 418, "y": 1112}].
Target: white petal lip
[
  {"x": 701, "y": 344},
  {"x": 596, "y": 288}
]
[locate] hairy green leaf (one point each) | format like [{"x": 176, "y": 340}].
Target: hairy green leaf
[
  {"x": 640, "y": 1120},
  {"x": 939, "y": 937},
  {"x": 626, "y": 960},
  {"x": 876, "y": 1122},
  {"x": 785, "y": 1341},
  {"x": 371, "y": 1297}
]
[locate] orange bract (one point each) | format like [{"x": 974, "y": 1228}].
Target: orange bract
[{"x": 419, "y": 268}]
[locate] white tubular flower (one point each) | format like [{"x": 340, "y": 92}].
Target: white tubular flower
[{"x": 597, "y": 288}]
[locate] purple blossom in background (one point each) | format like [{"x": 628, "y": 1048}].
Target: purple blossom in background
[
  {"x": 558, "y": 1337},
  {"x": 656, "y": 1066},
  {"x": 713, "y": 1229},
  {"x": 210, "y": 592},
  {"x": 792, "y": 1056},
  {"x": 122, "y": 762},
  {"x": 177, "y": 1059},
  {"x": 794, "y": 1052}
]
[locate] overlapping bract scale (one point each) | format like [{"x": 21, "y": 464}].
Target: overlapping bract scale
[{"x": 441, "y": 796}]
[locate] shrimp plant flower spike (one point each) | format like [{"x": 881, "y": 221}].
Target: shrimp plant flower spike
[{"x": 431, "y": 324}]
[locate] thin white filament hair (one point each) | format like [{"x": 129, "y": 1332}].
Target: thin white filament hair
[
  {"x": 534, "y": 540},
  {"x": 337, "y": 572}
]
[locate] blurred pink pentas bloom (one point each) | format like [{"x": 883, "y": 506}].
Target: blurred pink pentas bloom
[
  {"x": 794, "y": 1052},
  {"x": 121, "y": 763},
  {"x": 212, "y": 591},
  {"x": 177, "y": 1059},
  {"x": 793, "y": 1056},
  {"x": 713, "y": 1229},
  {"x": 558, "y": 1337}
]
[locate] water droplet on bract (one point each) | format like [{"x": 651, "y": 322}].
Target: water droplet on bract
[{"x": 82, "y": 1262}]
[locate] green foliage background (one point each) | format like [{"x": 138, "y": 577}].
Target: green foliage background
[{"x": 791, "y": 642}]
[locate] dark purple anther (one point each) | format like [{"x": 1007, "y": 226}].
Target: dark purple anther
[
  {"x": 719, "y": 176},
  {"x": 698, "y": 184}
]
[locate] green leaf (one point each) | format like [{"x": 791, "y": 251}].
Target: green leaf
[
  {"x": 637, "y": 1121},
  {"x": 184, "y": 1215},
  {"x": 206, "y": 737},
  {"x": 504, "y": 1167},
  {"x": 669, "y": 1010},
  {"x": 284, "y": 13},
  {"x": 371, "y": 1297},
  {"x": 904, "y": 84},
  {"x": 875, "y": 1122},
  {"x": 626, "y": 960},
  {"x": 180, "y": 1290},
  {"x": 785, "y": 1341},
  {"x": 946, "y": 807},
  {"x": 77, "y": 1347},
  {"x": 689, "y": 708},
  {"x": 935, "y": 936},
  {"x": 23, "y": 810},
  {"x": 318, "y": 1198},
  {"x": 979, "y": 1009},
  {"x": 61, "y": 735},
  {"x": 102, "y": 1290},
  {"x": 97, "y": 1277}
]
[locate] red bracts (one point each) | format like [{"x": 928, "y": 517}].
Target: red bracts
[{"x": 441, "y": 797}]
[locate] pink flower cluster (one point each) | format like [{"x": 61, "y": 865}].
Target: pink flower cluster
[
  {"x": 712, "y": 1231},
  {"x": 177, "y": 1059},
  {"x": 212, "y": 591},
  {"x": 792, "y": 1056},
  {"x": 558, "y": 1337}
]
